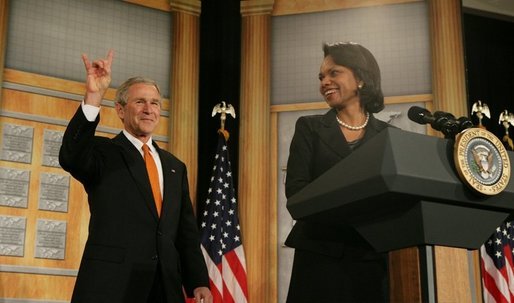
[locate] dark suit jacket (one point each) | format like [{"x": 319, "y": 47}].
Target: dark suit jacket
[
  {"x": 127, "y": 241},
  {"x": 317, "y": 145}
]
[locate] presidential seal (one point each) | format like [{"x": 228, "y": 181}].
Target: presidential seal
[{"x": 482, "y": 161}]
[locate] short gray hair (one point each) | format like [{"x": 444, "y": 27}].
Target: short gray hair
[{"x": 122, "y": 91}]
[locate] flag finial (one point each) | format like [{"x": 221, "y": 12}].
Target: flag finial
[
  {"x": 507, "y": 119},
  {"x": 481, "y": 109},
  {"x": 223, "y": 108}
]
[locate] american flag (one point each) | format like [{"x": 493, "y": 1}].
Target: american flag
[
  {"x": 221, "y": 235},
  {"x": 497, "y": 265}
]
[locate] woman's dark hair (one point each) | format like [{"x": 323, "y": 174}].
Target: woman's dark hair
[{"x": 365, "y": 68}]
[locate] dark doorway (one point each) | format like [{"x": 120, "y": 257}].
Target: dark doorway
[{"x": 489, "y": 48}]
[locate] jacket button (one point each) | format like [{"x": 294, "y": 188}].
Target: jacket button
[{"x": 156, "y": 257}]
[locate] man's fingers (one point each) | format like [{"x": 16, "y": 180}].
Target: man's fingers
[
  {"x": 110, "y": 55},
  {"x": 87, "y": 65},
  {"x": 108, "y": 61},
  {"x": 98, "y": 64}
]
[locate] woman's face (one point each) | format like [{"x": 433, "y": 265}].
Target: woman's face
[{"x": 338, "y": 84}]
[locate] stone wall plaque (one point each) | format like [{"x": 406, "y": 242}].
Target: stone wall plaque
[
  {"x": 17, "y": 143},
  {"x": 53, "y": 192},
  {"x": 52, "y": 141},
  {"x": 12, "y": 235},
  {"x": 14, "y": 187},
  {"x": 50, "y": 239}
]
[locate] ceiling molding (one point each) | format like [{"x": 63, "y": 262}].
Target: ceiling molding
[
  {"x": 193, "y": 7},
  {"x": 496, "y": 7},
  {"x": 256, "y": 7}
]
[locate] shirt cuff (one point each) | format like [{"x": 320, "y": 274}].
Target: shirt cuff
[{"x": 90, "y": 111}]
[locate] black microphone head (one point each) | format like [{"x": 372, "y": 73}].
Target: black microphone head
[
  {"x": 441, "y": 123},
  {"x": 439, "y": 114},
  {"x": 419, "y": 115},
  {"x": 464, "y": 123},
  {"x": 450, "y": 128}
]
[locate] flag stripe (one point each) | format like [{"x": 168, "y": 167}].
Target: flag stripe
[
  {"x": 234, "y": 285},
  {"x": 490, "y": 288},
  {"x": 495, "y": 279},
  {"x": 214, "y": 272},
  {"x": 508, "y": 272},
  {"x": 216, "y": 295},
  {"x": 227, "y": 296},
  {"x": 237, "y": 265},
  {"x": 241, "y": 256}
]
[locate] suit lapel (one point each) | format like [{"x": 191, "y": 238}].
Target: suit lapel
[
  {"x": 331, "y": 134},
  {"x": 374, "y": 127},
  {"x": 137, "y": 169},
  {"x": 172, "y": 183}
]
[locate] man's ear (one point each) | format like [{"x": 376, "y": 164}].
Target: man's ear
[{"x": 120, "y": 110}]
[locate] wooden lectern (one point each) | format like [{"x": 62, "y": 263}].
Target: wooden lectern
[{"x": 404, "y": 196}]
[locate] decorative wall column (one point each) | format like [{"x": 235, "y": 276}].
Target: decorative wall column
[
  {"x": 4, "y": 12},
  {"x": 259, "y": 230},
  {"x": 448, "y": 71},
  {"x": 453, "y": 278},
  {"x": 183, "y": 133}
]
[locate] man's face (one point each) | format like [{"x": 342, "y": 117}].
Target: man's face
[{"x": 141, "y": 114}]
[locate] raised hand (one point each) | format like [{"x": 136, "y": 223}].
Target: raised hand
[{"x": 98, "y": 78}]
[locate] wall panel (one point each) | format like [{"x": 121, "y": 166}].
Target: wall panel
[{"x": 22, "y": 272}]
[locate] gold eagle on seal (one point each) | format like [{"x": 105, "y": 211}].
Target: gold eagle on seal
[{"x": 484, "y": 160}]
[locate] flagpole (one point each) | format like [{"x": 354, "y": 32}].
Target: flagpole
[
  {"x": 507, "y": 119},
  {"x": 222, "y": 243}
]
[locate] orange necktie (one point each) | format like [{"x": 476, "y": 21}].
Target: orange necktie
[{"x": 151, "y": 168}]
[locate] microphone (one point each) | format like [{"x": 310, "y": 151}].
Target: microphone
[
  {"x": 446, "y": 123},
  {"x": 439, "y": 114},
  {"x": 464, "y": 123},
  {"x": 441, "y": 121},
  {"x": 420, "y": 115}
]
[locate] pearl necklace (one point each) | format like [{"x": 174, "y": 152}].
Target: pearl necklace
[{"x": 353, "y": 127}]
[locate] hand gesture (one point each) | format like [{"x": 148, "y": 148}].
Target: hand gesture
[{"x": 98, "y": 78}]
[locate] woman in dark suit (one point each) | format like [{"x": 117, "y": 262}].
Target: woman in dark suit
[
  {"x": 335, "y": 264},
  {"x": 143, "y": 244}
]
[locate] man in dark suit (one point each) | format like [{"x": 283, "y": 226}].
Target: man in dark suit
[{"x": 143, "y": 243}]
